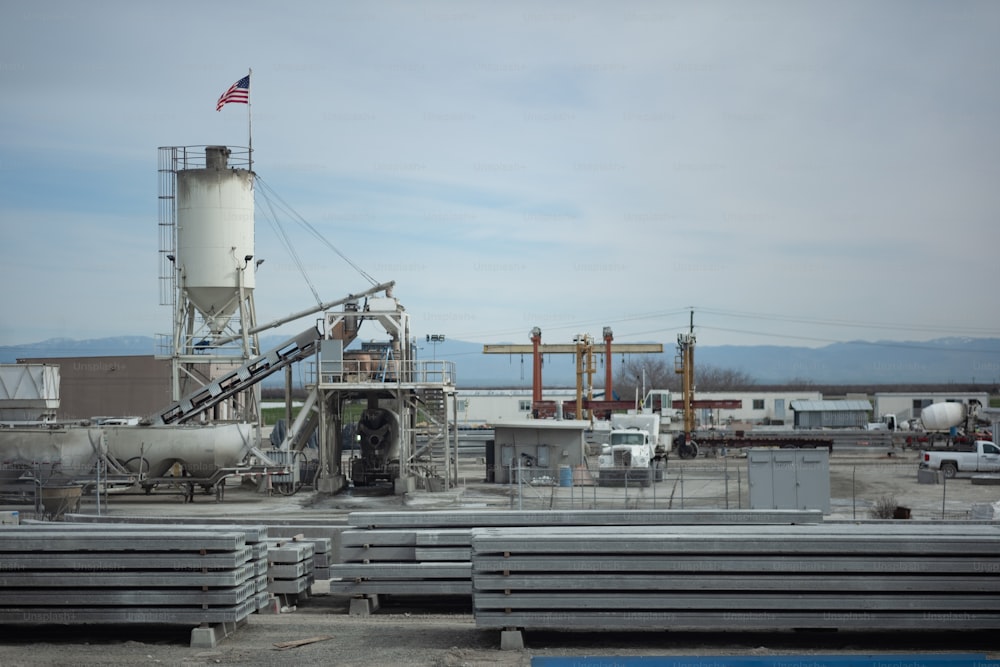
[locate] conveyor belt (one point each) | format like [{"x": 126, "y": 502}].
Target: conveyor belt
[{"x": 240, "y": 379}]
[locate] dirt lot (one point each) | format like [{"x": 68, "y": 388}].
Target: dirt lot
[
  {"x": 400, "y": 634},
  {"x": 859, "y": 480},
  {"x": 413, "y": 632}
]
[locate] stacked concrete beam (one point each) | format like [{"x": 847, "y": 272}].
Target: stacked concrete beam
[
  {"x": 323, "y": 533},
  {"x": 403, "y": 562},
  {"x": 748, "y": 577},
  {"x": 72, "y": 575},
  {"x": 499, "y": 518},
  {"x": 429, "y": 553},
  {"x": 323, "y": 558},
  {"x": 256, "y": 545},
  {"x": 322, "y": 549},
  {"x": 290, "y": 566}
]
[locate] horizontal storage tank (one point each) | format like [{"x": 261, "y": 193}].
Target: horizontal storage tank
[
  {"x": 215, "y": 235},
  {"x": 153, "y": 450},
  {"x": 72, "y": 451},
  {"x": 202, "y": 449}
]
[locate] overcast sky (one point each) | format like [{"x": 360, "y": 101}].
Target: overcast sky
[{"x": 797, "y": 172}]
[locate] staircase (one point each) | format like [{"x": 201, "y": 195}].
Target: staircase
[{"x": 431, "y": 454}]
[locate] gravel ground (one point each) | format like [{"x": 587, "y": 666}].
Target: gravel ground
[
  {"x": 404, "y": 632},
  {"x": 413, "y": 632}
]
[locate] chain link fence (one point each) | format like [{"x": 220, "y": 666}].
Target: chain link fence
[
  {"x": 589, "y": 487},
  {"x": 859, "y": 490}
]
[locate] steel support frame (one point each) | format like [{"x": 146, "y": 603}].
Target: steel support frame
[
  {"x": 187, "y": 326},
  {"x": 396, "y": 324}
]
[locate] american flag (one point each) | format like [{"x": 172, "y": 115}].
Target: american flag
[{"x": 238, "y": 93}]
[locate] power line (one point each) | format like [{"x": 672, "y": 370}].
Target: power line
[
  {"x": 575, "y": 326},
  {"x": 909, "y": 346},
  {"x": 282, "y": 235},
  {"x": 712, "y": 313},
  {"x": 847, "y": 323}
]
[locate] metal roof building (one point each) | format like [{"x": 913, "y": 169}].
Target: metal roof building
[
  {"x": 831, "y": 414},
  {"x": 110, "y": 386}
]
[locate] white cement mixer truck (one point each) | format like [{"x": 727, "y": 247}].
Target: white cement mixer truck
[
  {"x": 377, "y": 436},
  {"x": 953, "y": 423}
]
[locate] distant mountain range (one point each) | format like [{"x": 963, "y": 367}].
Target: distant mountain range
[{"x": 945, "y": 360}]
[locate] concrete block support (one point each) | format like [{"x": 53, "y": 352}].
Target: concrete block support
[
  {"x": 405, "y": 484},
  {"x": 331, "y": 484},
  {"x": 925, "y": 476},
  {"x": 209, "y": 636},
  {"x": 364, "y": 606},
  {"x": 273, "y": 606},
  {"x": 511, "y": 640}
]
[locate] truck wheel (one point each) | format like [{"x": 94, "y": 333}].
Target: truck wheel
[
  {"x": 949, "y": 469},
  {"x": 688, "y": 451}
]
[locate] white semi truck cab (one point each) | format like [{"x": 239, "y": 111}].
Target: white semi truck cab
[{"x": 636, "y": 451}]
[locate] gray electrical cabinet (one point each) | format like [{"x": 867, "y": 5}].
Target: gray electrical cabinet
[
  {"x": 331, "y": 360},
  {"x": 787, "y": 479}
]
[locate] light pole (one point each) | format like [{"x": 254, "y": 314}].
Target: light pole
[{"x": 434, "y": 339}]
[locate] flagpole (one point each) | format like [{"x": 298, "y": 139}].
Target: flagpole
[{"x": 250, "y": 117}]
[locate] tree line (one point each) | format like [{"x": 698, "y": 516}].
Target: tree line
[{"x": 654, "y": 372}]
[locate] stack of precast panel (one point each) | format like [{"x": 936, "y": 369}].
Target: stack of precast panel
[
  {"x": 429, "y": 553},
  {"x": 885, "y": 576},
  {"x": 418, "y": 561},
  {"x": 69, "y": 574},
  {"x": 322, "y": 533},
  {"x": 290, "y": 568},
  {"x": 322, "y": 550}
]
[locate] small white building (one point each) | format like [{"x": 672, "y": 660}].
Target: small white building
[
  {"x": 489, "y": 407},
  {"x": 757, "y": 407},
  {"x": 535, "y": 448},
  {"x": 831, "y": 414}
]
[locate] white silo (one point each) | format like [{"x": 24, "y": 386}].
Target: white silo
[
  {"x": 215, "y": 237},
  {"x": 207, "y": 267}
]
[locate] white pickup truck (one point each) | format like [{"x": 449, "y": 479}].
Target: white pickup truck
[{"x": 985, "y": 457}]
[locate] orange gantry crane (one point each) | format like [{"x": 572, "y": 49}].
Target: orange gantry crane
[{"x": 584, "y": 348}]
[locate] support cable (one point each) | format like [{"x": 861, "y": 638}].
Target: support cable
[
  {"x": 282, "y": 235},
  {"x": 312, "y": 230}
]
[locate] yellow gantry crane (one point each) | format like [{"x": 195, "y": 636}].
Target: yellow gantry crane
[
  {"x": 584, "y": 348},
  {"x": 684, "y": 366}
]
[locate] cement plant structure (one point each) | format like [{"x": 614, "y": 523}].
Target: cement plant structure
[
  {"x": 207, "y": 276},
  {"x": 207, "y": 267}
]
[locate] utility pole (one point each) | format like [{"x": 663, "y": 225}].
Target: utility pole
[
  {"x": 684, "y": 366},
  {"x": 536, "y": 367},
  {"x": 609, "y": 336}
]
